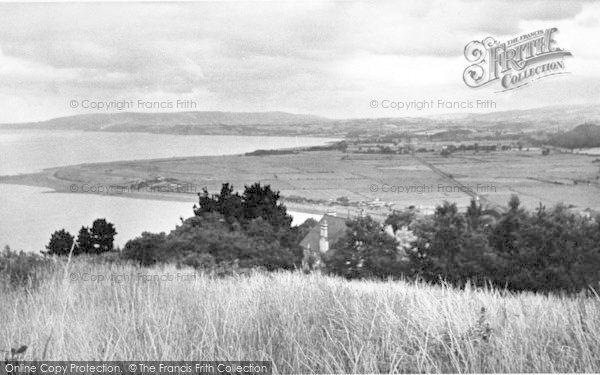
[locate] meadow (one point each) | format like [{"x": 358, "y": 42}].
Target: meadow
[
  {"x": 312, "y": 323},
  {"x": 399, "y": 180}
]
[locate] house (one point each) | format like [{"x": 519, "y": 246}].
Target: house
[
  {"x": 320, "y": 239},
  {"x": 331, "y": 228}
]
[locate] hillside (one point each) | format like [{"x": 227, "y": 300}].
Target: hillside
[
  {"x": 174, "y": 120},
  {"x": 586, "y": 135},
  {"x": 543, "y": 118},
  {"x": 302, "y": 323},
  {"x": 282, "y": 123}
]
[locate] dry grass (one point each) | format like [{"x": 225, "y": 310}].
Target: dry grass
[{"x": 303, "y": 323}]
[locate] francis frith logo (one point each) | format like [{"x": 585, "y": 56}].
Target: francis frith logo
[{"x": 514, "y": 63}]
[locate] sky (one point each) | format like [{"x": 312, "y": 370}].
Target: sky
[{"x": 329, "y": 58}]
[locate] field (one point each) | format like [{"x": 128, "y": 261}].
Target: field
[
  {"x": 398, "y": 180},
  {"x": 303, "y": 323}
]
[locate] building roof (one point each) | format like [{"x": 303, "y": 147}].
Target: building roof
[{"x": 336, "y": 228}]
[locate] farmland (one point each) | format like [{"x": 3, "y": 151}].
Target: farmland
[{"x": 378, "y": 182}]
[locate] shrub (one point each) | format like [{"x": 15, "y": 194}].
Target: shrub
[
  {"x": 61, "y": 243},
  {"x": 20, "y": 269},
  {"x": 199, "y": 261},
  {"x": 145, "y": 250},
  {"x": 208, "y": 239}
]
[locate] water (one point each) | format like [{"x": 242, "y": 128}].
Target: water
[
  {"x": 28, "y": 215},
  {"x": 29, "y": 151}
]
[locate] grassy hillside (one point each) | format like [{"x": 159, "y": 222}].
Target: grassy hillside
[
  {"x": 173, "y": 122},
  {"x": 586, "y": 135},
  {"x": 282, "y": 123},
  {"x": 303, "y": 323}
]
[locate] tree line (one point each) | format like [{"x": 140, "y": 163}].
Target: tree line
[
  {"x": 97, "y": 239},
  {"x": 544, "y": 250}
]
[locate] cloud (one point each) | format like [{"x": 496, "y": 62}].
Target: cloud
[{"x": 261, "y": 55}]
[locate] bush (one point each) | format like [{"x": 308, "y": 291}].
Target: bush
[
  {"x": 145, "y": 250},
  {"x": 208, "y": 239},
  {"x": 61, "y": 243},
  {"x": 199, "y": 261},
  {"x": 20, "y": 269}
]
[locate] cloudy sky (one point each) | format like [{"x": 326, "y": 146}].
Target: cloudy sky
[{"x": 328, "y": 58}]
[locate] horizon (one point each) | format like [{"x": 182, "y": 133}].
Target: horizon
[{"x": 426, "y": 116}]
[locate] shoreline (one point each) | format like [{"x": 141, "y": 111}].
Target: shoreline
[
  {"x": 47, "y": 179},
  {"x": 313, "y": 182},
  {"x": 50, "y": 178},
  {"x": 57, "y": 186}
]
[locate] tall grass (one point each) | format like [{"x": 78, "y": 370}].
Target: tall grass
[{"x": 303, "y": 323}]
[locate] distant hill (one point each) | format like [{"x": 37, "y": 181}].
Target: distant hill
[
  {"x": 543, "y": 118},
  {"x": 281, "y": 123},
  {"x": 583, "y": 136},
  {"x": 174, "y": 120}
]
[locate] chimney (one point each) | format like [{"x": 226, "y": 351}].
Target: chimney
[
  {"x": 323, "y": 237},
  {"x": 363, "y": 213}
]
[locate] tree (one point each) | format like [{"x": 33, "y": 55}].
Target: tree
[
  {"x": 305, "y": 228},
  {"x": 259, "y": 201},
  {"x": 365, "y": 251},
  {"x": 439, "y": 243},
  {"x": 85, "y": 244},
  {"x": 547, "y": 250},
  {"x": 230, "y": 204},
  {"x": 506, "y": 233},
  {"x": 256, "y": 201},
  {"x": 226, "y": 203},
  {"x": 103, "y": 234},
  {"x": 399, "y": 219},
  {"x": 275, "y": 249},
  {"x": 60, "y": 243},
  {"x": 473, "y": 214}
]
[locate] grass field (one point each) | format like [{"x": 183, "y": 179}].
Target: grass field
[
  {"x": 303, "y": 323},
  {"x": 328, "y": 175}
]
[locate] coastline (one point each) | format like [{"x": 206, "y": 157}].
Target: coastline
[
  {"x": 47, "y": 179},
  {"x": 312, "y": 182},
  {"x": 83, "y": 178}
]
